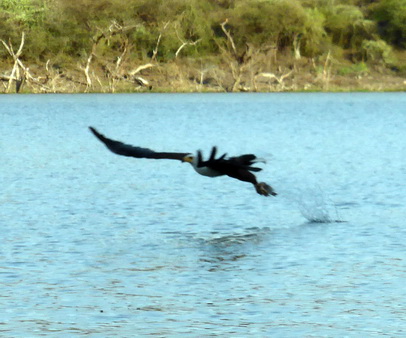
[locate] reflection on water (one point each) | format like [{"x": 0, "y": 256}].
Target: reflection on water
[
  {"x": 96, "y": 244},
  {"x": 225, "y": 251}
]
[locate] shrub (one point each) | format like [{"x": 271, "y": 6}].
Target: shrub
[
  {"x": 377, "y": 51},
  {"x": 267, "y": 22},
  {"x": 391, "y": 18},
  {"x": 355, "y": 69},
  {"x": 347, "y": 26},
  {"x": 315, "y": 39}
]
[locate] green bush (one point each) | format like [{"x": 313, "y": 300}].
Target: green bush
[
  {"x": 273, "y": 22},
  {"x": 315, "y": 39},
  {"x": 391, "y": 18},
  {"x": 377, "y": 51},
  {"x": 355, "y": 69},
  {"x": 23, "y": 12},
  {"x": 347, "y": 25}
]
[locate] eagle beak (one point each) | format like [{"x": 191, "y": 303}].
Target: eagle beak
[{"x": 187, "y": 158}]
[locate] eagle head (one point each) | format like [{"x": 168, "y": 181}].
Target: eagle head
[{"x": 189, "y": 158}]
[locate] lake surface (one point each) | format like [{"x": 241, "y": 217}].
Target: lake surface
[{"x": 107, "y": 246}]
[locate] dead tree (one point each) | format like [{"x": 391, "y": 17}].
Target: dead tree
[
  {"x": 327, "y": 71},
  {"x": 87, "y": 68},
  {"x": 296, "y": 46},
  {"x": 271, "y": 77},
  {"x": 239, "y": 62},
  {"x": 155, "y": 51},
  {"x": 52, "y": 76},
  {"x": 138, "y": 79},
  {"x": 113, "y": 73},
  {"x": 184, "y": 43},
  {"x": 20, "y": 74},
  {"x": 18, "y": 71}
]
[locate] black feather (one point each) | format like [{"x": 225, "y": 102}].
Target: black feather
[
  {"x": 200, "y": 162},
  {"x": 123, "y": 149}
]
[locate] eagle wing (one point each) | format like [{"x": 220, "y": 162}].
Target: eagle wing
[
  {"x": 123, "y": 149},
  {"x": 239, "y": 167},
  {"x": 224, "y": 164}
]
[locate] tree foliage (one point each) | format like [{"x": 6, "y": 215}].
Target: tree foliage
[
  {"x": 273, "y": 22},
  {"x": 391, "y": 18},
  {"x": 68, "y": 30}
]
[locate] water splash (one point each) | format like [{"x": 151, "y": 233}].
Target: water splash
[
  {"x": 315, "y": 209},
  {"x": 315, "y": 205}
]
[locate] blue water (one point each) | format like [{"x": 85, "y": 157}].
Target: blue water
[{"x": 106, "y": 246}]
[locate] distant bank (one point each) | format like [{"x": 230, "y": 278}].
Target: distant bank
[{"x": 184, "y": 76}]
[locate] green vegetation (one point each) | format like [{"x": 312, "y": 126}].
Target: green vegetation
[
  {"x": 223, "y": 44},
  {"x": 354, "y": 69}
]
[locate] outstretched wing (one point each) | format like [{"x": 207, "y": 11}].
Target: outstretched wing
[
  {"x": 224, "y": 164},
  {"x": 212, "y": 161},
  {"x": 123, "y": 149},
  {"x": 246, "y": 161}
]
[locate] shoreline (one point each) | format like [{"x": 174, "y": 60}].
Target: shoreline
[{"x": 176, "y": 77}]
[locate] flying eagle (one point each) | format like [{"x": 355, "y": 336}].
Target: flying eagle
[{"x": 238, "y": 167}]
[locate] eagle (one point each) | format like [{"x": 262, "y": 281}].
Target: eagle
[{"x": 238, "y": 167}]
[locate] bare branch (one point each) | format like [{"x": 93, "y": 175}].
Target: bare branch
[
  {"x": 155, "y": 51},
  {"x": 296, "y": 46},
  {"x": 47, "y": 65},
  {"x": 327, "y": 71},
  {"x": 284, "y": 76},
  {"x": 5, "y": 77},
  {"x": 141, "y": 81},
  {"x": 140, "y": 68},
  {"x": 86, "y": 70},
  {"x": 184, "y": 44},
  {"x": 229, "y": 37},
  {"x": 9, "y": 50},
  {"x": 20, "y": 49},
  {"x": 15, "y": 73},
  {"x": 280, "y": 80},
  {"x": 120, "y": 59}
]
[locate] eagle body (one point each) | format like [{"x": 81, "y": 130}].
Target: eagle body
[
  {"x": 207, "y": 171},
  {"x": 238, "y": 167}
]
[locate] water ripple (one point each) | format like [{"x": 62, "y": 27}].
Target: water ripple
[{"x": 100, "y": 245}]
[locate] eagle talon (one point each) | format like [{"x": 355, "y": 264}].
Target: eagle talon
[{"x": 264, "y": 189}]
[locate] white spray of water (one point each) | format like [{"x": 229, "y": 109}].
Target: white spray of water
[{"x": 314, "y": 204}]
